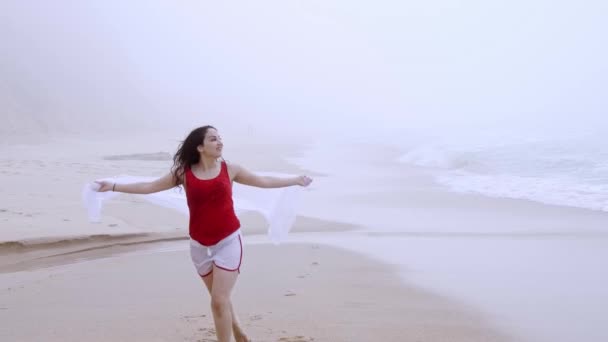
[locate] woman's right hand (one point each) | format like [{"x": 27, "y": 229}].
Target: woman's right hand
[{"x": 104, "y": 186}]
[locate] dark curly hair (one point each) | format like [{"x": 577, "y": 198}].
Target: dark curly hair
[{"x": 187, "y": 153}]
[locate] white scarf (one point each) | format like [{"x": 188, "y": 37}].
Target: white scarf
[{"x": 278, "y": 206}]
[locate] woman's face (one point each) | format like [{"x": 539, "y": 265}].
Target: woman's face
[{"x": 212, "y": 145}]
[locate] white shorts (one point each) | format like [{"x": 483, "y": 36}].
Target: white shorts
[{"x": 226, "y": 254}]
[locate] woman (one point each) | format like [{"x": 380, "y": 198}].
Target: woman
[{"x": 215, "y": 237}]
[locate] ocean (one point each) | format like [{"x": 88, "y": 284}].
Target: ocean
[{"x": 558, "y": 168}]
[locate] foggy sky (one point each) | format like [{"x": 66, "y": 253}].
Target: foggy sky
[{"x": 333, "y": 67}]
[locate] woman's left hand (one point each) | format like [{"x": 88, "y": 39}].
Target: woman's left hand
[{"x": 303, "y": 180}]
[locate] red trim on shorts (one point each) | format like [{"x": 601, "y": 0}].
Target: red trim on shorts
[
  {"x": 238, "y": 268},
  {"x": 208, "y": 273}
]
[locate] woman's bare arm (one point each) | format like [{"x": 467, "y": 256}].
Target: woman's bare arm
[
  {"x": 246, "y": 177},
  {"x": 165, "y": 182}
]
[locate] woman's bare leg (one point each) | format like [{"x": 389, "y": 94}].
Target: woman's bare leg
[{"x": 239, "y": 334}]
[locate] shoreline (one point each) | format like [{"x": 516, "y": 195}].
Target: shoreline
[{"x": 30, "y": 251}]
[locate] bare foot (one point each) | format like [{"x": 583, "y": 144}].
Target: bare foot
[
  {"x": 239, "y": 334},
  {"x": 245, "y": 339},
  {"x": 241, "y": 338}
]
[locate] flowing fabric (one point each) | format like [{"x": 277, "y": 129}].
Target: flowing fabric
[{"x": 278, "y": 206}]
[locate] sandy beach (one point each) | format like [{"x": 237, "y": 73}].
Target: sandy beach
[
  {"x": 295, "y": 292},
  {"x": 117, "y": 280},
  {"x": 394, "y": 258}
]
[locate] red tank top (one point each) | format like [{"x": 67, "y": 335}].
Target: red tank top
[{"x": 212, "y": 216}]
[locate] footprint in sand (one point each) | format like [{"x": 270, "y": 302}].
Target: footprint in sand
[
  {"x": 210, "y": 332},
  {"x": 209, "y": 335},
  {"x": 255, "y": 317},
  {"x": 296, "y": 339},
  {"x": 193, "y": 318}
]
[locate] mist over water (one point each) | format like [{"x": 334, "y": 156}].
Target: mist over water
[{"x": 485, "y": 89}]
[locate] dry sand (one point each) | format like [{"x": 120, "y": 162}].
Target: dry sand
[
  {"x": 66, "y": 279},
  {"x": 447, "y": 267},
  {"x": 293, "y": 292}
]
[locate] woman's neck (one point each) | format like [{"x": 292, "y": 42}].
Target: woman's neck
[{"x": 207, "y": 163}]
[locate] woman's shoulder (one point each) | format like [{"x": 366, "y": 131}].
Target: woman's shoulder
[
  {"x": 232, "y": 167},
  {"x": 231, "y": 164},
  {"x": 180, "y": 174},
  {"x": 182, "y": 170}
]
